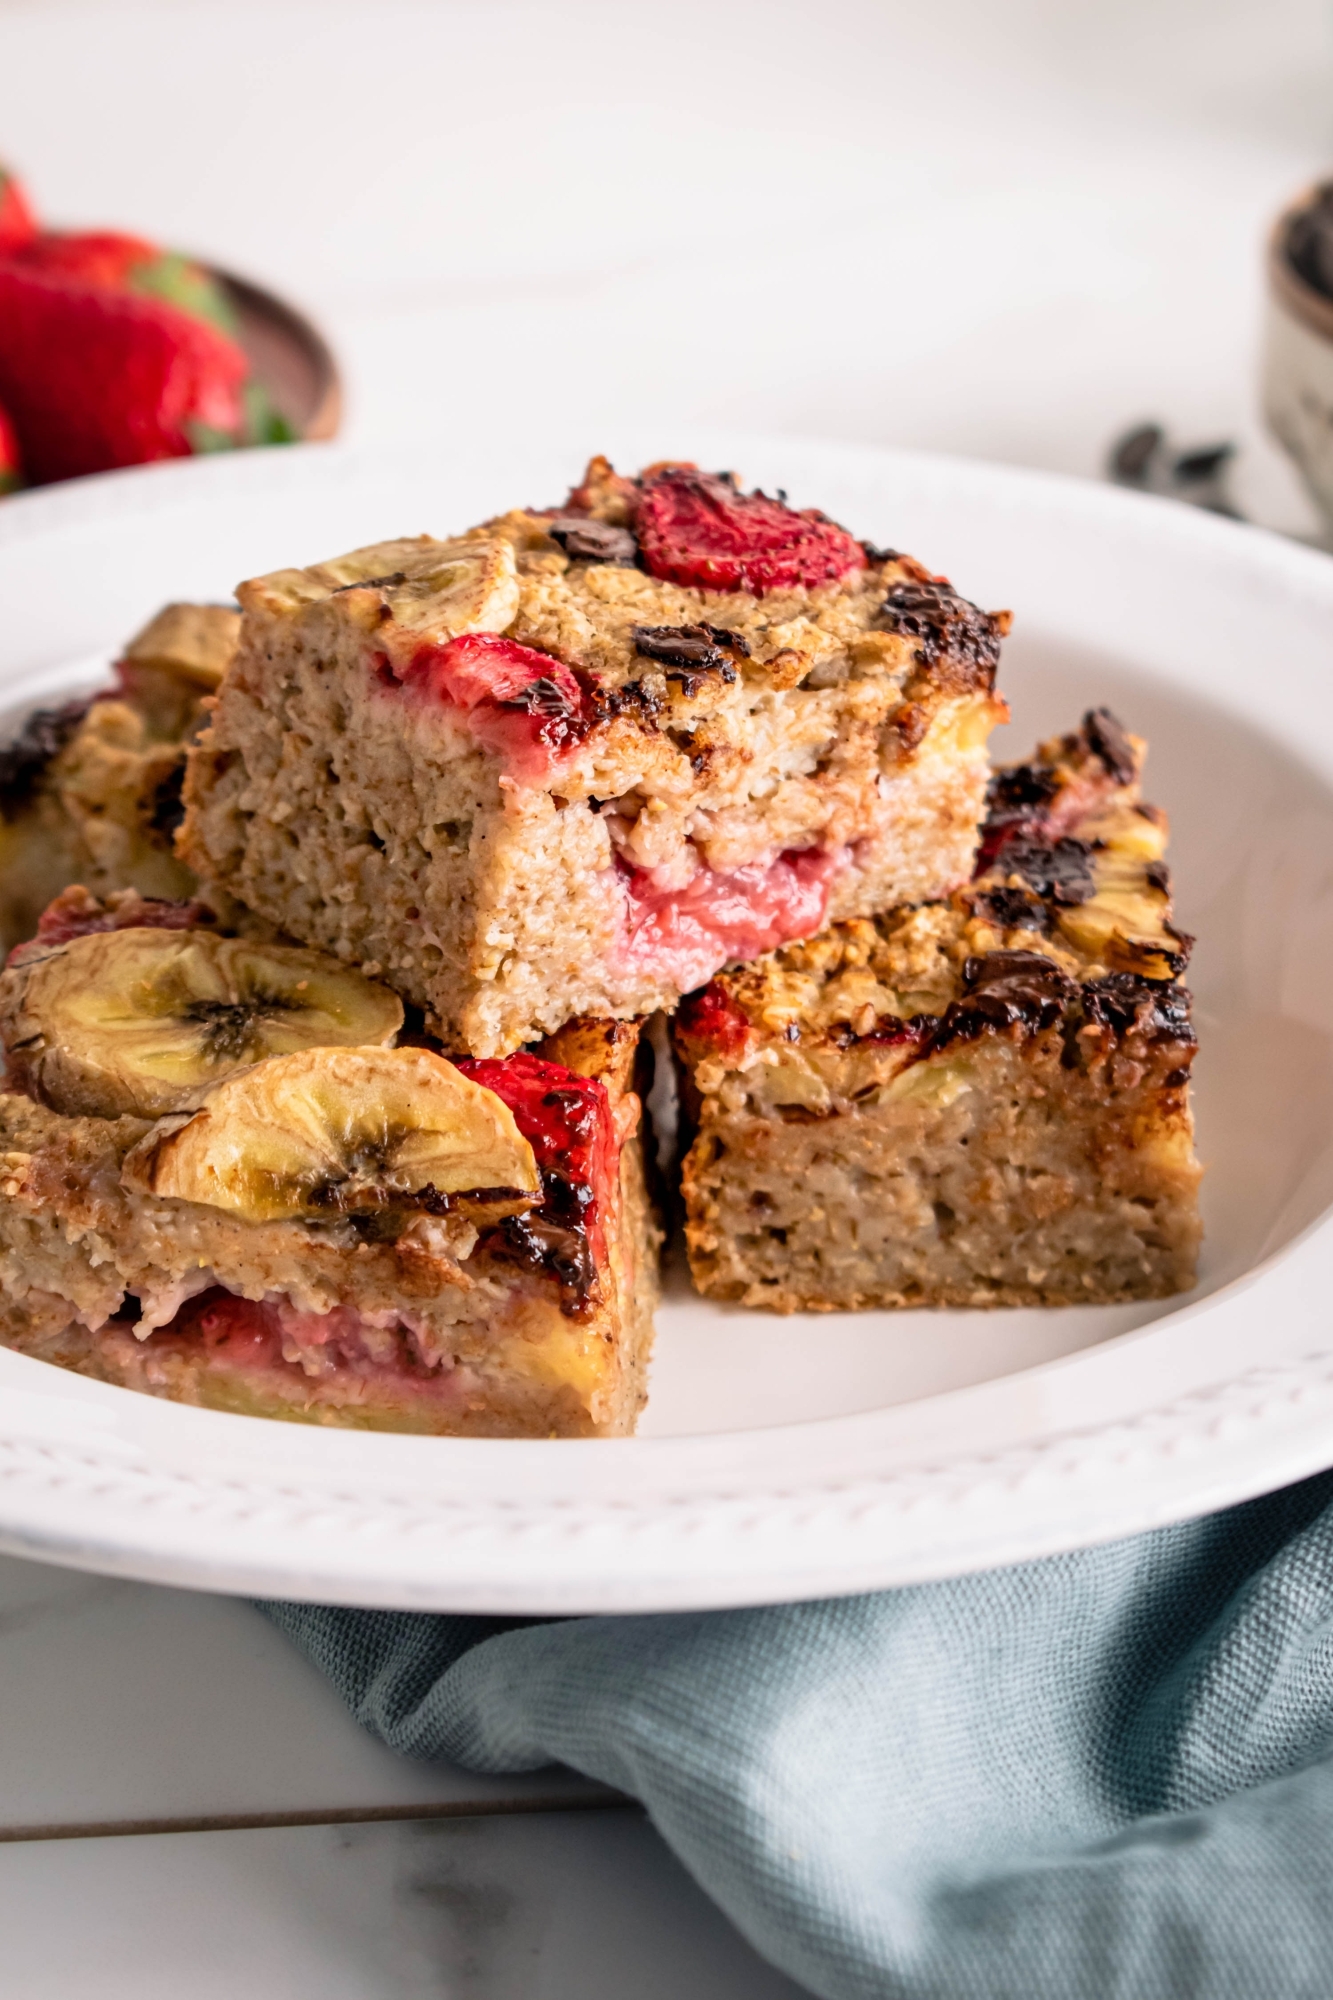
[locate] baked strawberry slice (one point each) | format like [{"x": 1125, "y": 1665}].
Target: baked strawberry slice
[
  {"x": 17, "y": 223},
  {"x": 11, "y": 466},
  {"x": 699, "y": 530},
  {"x": 97, "y": 379},
  {"x": 523, "y": 705},
  {"x": 568, "y": 1122}
]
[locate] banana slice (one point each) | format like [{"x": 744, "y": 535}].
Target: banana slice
[
  {"x": 145, "y": 1021},
  {"x": 342, "y": 1131},
  {"x": 194, "y": 642},
  {"x": 433, "y": 590}
]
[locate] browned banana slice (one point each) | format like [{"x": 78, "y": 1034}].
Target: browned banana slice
[
  {"x": 338, "y": 1131},
  {"x": 433, "y": 590},
  {"x": 146, "y": 1021}
]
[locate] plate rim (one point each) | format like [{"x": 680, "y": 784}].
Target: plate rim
[{"x": 46, "y": 1477}]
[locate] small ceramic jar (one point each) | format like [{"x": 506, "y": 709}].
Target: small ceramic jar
[{"x": 1298, "y": 361}]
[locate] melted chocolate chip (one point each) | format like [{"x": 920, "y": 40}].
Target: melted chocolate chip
[
  {"x": 1106, "y": 738},
  {"x": 42, "y": 738},
  {"x": 689, "y": 653},
  {"x": 1012, "y": 910},
  {"x": 945, "y": 624},
  {"x": 543, "y": 696},
  {"x": 579, "y": 535},
  {"x": 1007, "y": 989},
  {"x": 1017, "y": 802},
  {"x": 603, "y": 704},
  {"x": 168, "y": 808},
  {"x": 1127, "y": 1004},
  {"x": 1060, "y": 871},
  {"x": 690, "y": 646},
  {"x": 875, "y": 555},
  {"x": 553, "y": 1240},
  {"x": 1158, "y": 875},
  {"x": 1025, "y": 787}
]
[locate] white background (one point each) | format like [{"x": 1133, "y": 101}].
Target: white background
[{"x": 1000, "y": 227}]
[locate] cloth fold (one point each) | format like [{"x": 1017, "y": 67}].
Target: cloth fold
[{"x": 1103, "y": 1774}]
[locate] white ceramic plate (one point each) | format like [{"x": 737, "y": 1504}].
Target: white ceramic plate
[{"x": 783, "y": 1458}]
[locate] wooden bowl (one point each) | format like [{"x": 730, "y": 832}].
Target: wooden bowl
[{"x": 289, "y": 357}]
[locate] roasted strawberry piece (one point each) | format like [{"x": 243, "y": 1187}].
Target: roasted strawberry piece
[
  {"x": 699, "y": 530},
  {"x": 99, "y": 379},
  {"x": 520, "y": 703},
  {"x": 568, "y": 1121},
  {"x": 11, "y": 467},
  {"x": 17, "y": 225}
]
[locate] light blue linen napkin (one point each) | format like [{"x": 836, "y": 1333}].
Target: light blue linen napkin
[{"x": 1103, "y": 1774}]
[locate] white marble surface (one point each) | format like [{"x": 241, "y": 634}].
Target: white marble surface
[
  {"x": 1003, "y": 229},
  {"x": 583, "y": 1906},
  {"x": 125, "y": 1706}
]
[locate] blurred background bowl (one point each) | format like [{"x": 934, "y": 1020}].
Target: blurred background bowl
[
  {"x": 289, "y": 356},
  {"x": 1298, "y": 353}
]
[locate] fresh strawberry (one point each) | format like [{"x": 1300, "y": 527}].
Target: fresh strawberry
[
  {"x": 98, "y": 257},
  {"x": 11, "y": 466},
  {"x": 111, "y": 261},
  {"x": 99, "y": 379},
  {"x": 17, "y": 224},
  {"x": 698, "y": 529}
]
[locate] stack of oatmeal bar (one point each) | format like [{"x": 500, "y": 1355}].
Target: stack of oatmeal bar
[{"x": 335, "y": 929}]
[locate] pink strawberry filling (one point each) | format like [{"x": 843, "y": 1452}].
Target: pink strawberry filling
[
  {"x": 683, "y": 936},
  {"x": 75, "y": 913},
  {"x": 524, "y": 706},
  {"x": 261, "y": 1336}
]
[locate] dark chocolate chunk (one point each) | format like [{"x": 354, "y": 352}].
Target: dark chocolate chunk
[
  {"x": 945, "y": 624},
  {"x": 168, "y": 808},
  {"x": 559, "y": 721},
  {"x": 42, "y": 738},
  {"x": 1159, "y": 876},
  {"x": 1126, "y": 1004},
  {"x": 875, "y": 555},
  {"x": 1006, "y": 989},
  {"x": 1017, "y": 801},
  {"x": 1012, "y": 910},
  {"x": 543, "y": 696},
  {"x": 691, "y": 646},
  {"x": 1058, "y": 870},
  {"x": 579, "y": 535},
  {"x": 1028, "y": 786},
  {"x": 602, "y": 703},
  {"x": 1106, "y": 738},
  {"x": 689, "y": 653},
  {"x": 554, "y": 1239}
]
